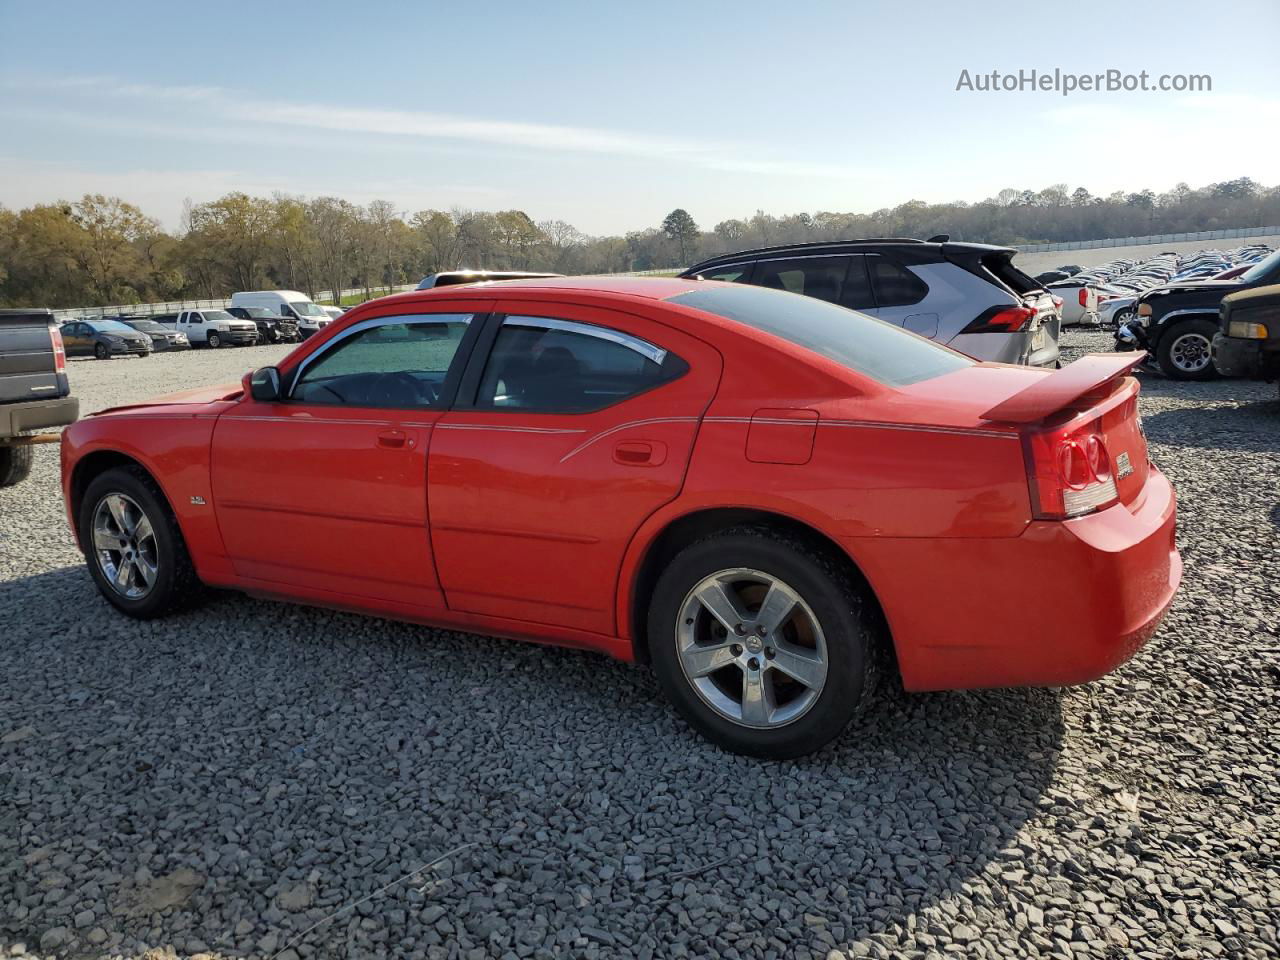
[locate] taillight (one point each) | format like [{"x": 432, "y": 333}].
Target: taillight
[
  {"x": 1084, "y": 296},
  {"x": 1069, "y": 472},
  {"x": 1001, "y": 320},
  {"x": 1058, "y": 302},
  {"x": 59, "y": 352}
]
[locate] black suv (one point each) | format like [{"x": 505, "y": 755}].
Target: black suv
[
  {"x": 968, "y": 296},
  {"x": 271, "y": 328},
  {"x": 1176, "y": 322},
  {"x": 33, "y": 387}
]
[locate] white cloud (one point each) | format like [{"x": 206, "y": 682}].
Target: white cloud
[{"x": 225, "y": 106}]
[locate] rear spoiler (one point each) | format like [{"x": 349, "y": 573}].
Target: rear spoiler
[{"x": 1050, "y": 394}]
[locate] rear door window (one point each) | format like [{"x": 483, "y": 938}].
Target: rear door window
[
  {"x": 819, "y": 277},
  {"x": 548, "y": 365},
  {"x": 895, "y": 285}
]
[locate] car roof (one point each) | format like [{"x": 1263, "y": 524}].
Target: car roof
[
  {"x": 648, "y": 288},
  {"x": 847, "y": 246}
]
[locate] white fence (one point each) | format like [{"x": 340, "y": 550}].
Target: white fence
[{"x": 1238, "y": 233}]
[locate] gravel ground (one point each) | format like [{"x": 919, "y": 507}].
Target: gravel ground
[{"x": 255, "y": 779}]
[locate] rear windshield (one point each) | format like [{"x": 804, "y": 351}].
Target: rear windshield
[
  {"x": 1261, "y": 268},
  {"x": 1002, "y": 268},
  {"x": 873, "y": 348}
]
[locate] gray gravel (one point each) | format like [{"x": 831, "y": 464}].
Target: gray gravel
[{"x": 224, "y": 780}]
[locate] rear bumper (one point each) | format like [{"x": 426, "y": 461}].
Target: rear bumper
[
  {"x": 1064, "y": 603},
  {"x": 1017, "y": 348},
  {"x": 16, "y": 418}
]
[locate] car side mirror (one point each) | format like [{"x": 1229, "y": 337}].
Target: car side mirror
[{"x": 264, "y": 384}]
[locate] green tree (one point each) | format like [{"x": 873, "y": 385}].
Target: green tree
[{"x": 681, "y": 228}]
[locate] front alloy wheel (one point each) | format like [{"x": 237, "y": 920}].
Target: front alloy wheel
[
  {"x": 124, "y": 546},
  {"x": 134, "y": 548}
]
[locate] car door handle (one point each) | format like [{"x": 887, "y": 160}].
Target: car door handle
[
  {"x": 393, "y": 438},
  {"x": 640, "y": 453}
]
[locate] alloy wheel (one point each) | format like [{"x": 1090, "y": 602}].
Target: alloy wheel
[
  {"x": 751, "y": 648},
  {"x": 124, "y": 545},
  {"x": 1190, "y": 352}
]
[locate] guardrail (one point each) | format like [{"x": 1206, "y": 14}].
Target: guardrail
[{"x": 1235, "y": 233}]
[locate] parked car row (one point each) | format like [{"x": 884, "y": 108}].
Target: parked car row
[{"x": 260, "y": 316}]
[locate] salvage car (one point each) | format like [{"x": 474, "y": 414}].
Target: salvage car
[
  {"x": 1247, "y": 343},
  {"x": 969, "y": 296},
  {"x": 271, "y": 328},
  {"x": 162, "y": 338},
  {"x": 768, "y": 497},
  {"x": 34, "y": 392},
  {"x": 104, "y": 339},
  {"x": 1176, "y": 323}
]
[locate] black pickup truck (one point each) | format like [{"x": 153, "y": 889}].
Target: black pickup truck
[
  {"x": 1248, "y": 341},
  {"x": 34, "y": 392},
  {"x": 1176, "y": 323}
]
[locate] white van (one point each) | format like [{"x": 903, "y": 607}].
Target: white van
[{"x": 310, "y": 317}]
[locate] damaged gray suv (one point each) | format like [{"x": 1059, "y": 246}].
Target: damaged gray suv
[{"x": 968, "y": 296}]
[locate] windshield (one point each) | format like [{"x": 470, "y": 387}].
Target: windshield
[
  {"x": 147, "y": 326},
  {"x": 112, "y": 326},
  {"x": 216, "y": 315},
  {"x": 879, "y": 350},
  {"x": 305, "y": 308},
  {"x": 259, "y": 313},
  {"x": 1261, "y": 268}
]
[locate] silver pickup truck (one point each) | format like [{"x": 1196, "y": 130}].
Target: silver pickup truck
[{"x": 34, "y": 393}]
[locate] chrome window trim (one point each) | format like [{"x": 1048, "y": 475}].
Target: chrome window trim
[
  {"x": 372, "y": 322},
  {"x": 643, "y": 347}
]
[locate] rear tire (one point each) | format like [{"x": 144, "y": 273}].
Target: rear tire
[
  {"x": 15, "y": 464},
  {"x": 1184, "y": 351},
  {"x": 813, "y": 669},
  {"x": 157, "y": 545}
]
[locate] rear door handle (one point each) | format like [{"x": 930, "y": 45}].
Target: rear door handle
[
  {"x": 640, "y": 453},
  {"x": 393, "y": 438}
]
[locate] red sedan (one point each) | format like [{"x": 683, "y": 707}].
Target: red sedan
[{"x": 764, "y": 495}]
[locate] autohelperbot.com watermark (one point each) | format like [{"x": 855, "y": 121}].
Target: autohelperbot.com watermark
[{"x": 1066, "y": 83}]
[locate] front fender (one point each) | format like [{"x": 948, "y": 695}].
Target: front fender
[{"x": 173, "y": 447}]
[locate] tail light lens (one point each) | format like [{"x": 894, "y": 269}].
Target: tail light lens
[
  {"x": 1001, "y": 320},
  {"x": 59, "y": 352},
  {"x": 1069, "y": 472},
  {"x": 1058, "y": 302},
  {"x": 1084, "y": 296}
]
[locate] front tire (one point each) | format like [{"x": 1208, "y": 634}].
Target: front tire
[
  {"x": 763, "y": 643},
  {"x": 1184, "y": 351},
  {"x": 213, "y": 340},
  {"x": 101, "y": 352},
  {"x": 133, "y": 546}
]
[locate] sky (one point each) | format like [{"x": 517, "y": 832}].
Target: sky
[{"x": 608, "y": 117}]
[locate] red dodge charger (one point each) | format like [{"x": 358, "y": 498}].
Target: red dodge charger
[{"x": 765, "y": 496}]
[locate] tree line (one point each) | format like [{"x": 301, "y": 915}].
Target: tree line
[{"x": 103, "y": 250}]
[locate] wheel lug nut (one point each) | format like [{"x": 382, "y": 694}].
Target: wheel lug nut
[
  {"x": 770, "y": 652},
  {"x": 753, "y": 663},
  {"x": 740, "y": 630},
  {"x": 736, "y": 649}
]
